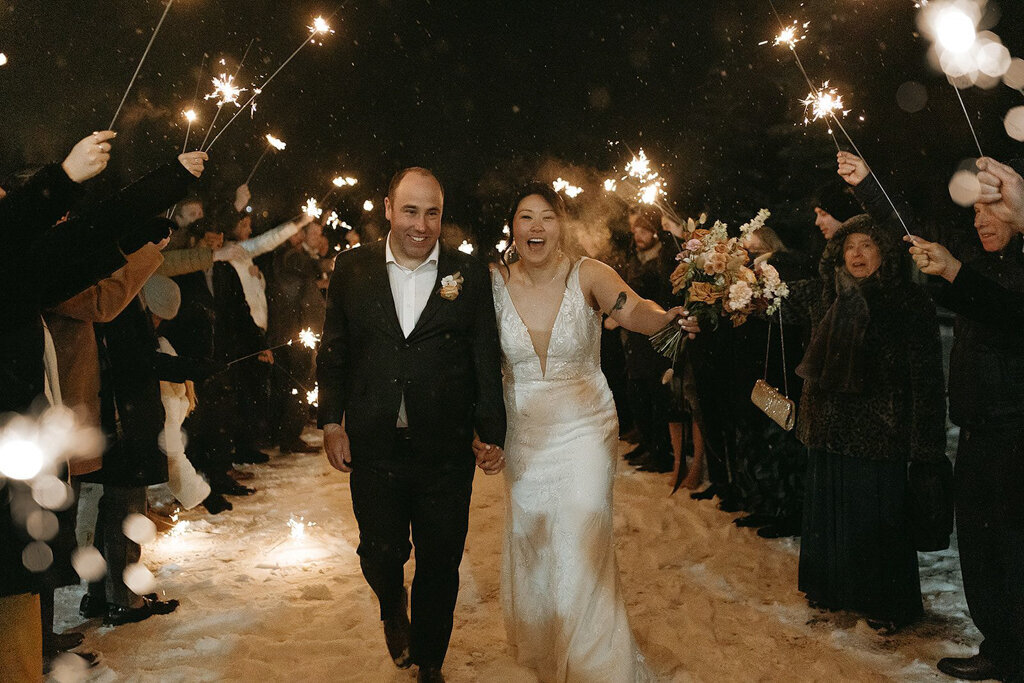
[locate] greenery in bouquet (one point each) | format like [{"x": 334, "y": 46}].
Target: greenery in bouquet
[{"x": 720, "y": 281}]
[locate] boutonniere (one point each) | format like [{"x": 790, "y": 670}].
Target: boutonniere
[{"x": 451, "y": 286}]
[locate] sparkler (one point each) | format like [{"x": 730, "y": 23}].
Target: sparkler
[
  {"x": 367, "y": 206},
  {"x": 313, "y": 396},
  {"x": 320, "y": 27},
  {"x": 345, "y": 181},
  {"x": 307, "y": 337},
  {"x": 272, "y": 143},
  {"x": 213, "y": 123},
  {"x": 3, "y": 59},
  {"x": 610, "y": 185},
  {"x": 466, "y": 247},
  {"x": 138, "y": 68},
  {"x": 312, "y": 208},
  {"x": 571, "y": 191},
  {"x": 824, "y": 103}
]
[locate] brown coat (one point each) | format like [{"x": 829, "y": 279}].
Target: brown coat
[{"x": 70, "y": 324}]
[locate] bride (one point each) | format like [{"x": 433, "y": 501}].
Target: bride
[{"x": 564, "y": 612}]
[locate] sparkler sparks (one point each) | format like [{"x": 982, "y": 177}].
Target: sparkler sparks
[
  {"x": 823, "y": 104},
  {"x": 309, "y": 338},
  {"x": 466, "y": 247},
  {"x": 312, "y": 209},
  {"x": 3, "y": 59},
  {"x": 320, "y": 27},
  {"x": 298, "y": 527},
  {"x": 190, "y": 115},
  {"x": 345, "y": 181},
  {"x": 313, "y": 397},
  {"x": 225, "y": 90},
  {"x": 567, "y": 188},
  {"x": 276, "y": 143},
  {"x": 367, "y": 205},
  {"x": 639, "y": 167},
  {"x": 610, "y": 185},
  {"x": 790, "y": 35}
]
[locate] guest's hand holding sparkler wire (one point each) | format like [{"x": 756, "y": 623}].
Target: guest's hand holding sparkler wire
[
  {"x": 242, "y": 197},
  {"x": 852, "y": 168},
  {"x": 1003, "y": 189},
  {"x": 933, "y": 259},
  {"x": 194, "y": 162},
  {"x": 89, "y": 157}
]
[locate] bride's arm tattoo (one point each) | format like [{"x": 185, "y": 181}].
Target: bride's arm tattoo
[{"x": 620, "y": 303}]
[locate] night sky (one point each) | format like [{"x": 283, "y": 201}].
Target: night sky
[{"x": 491, "y": 94}]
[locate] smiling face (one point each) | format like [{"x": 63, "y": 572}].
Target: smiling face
[
  {"x": 994, "y": 233},
  {"x": 415, "y": 216},
  {"x": 826, "y": 222},
  {"x": 536, "y": 229},
  {"x": 861, "y": 255}
]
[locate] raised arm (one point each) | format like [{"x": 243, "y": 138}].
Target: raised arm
[{"x": 273, "y": 238}]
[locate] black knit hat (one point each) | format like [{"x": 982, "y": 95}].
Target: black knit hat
[{"x": 837, "y": 198}]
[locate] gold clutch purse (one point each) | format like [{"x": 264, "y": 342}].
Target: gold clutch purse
[
  {"x": 776, "y": 406},
  {"x": 770, "y": 400}
]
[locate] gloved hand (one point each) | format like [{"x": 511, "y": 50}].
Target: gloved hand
[{"x": 154, "y": 230}]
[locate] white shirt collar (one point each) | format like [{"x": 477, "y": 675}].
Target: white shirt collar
[{"x": 389, "y": 256}]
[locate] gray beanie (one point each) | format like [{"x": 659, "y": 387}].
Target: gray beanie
[{"x": 161, "y": 296}]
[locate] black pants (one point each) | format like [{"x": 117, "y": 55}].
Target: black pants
[
  {"x": 117, "y": 549},
  {"x": 291, "y": 410},
  {"x": 651, "y": 402},
  {"x": 390, "y": 499},
  {"x": 989, "y": 479}
]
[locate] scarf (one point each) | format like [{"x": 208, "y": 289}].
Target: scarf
[{"x": 836, "y": 358}]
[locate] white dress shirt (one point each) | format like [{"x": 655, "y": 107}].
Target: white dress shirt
[
  {"x": 253, "y": 285},
  {"x": 410, "y": 289}
]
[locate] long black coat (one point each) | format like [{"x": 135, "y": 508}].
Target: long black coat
[{"x": 448, "y": 367}]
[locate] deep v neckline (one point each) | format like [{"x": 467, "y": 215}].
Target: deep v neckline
[{"x": 543, "y": 362}]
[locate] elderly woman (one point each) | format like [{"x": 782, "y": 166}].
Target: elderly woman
[{"x": 872, "y": 402}]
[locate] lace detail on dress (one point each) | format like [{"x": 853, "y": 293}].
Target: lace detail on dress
[{"x": 563, "y": 609}]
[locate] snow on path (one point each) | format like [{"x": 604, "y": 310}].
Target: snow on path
[{"x": 708, "y": 601}]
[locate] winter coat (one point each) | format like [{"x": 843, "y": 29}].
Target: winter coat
[
  {"x": 184, "y": 261},
  {"x": 901, "y": 411},
  {"x": 295, "y": 302},
  {"x": 71, "y": 324},
  {"x": 253, "y": 283},
  {"x": 235, "y": 334},
  {"x": 986, "y": 364}
]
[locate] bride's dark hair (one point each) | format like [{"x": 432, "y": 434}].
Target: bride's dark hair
[{"x": 548, "y": 194}]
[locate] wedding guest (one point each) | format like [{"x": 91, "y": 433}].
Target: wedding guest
[
  {"x": 986, "y": 400},
  {"x": 872, "y": 402}
]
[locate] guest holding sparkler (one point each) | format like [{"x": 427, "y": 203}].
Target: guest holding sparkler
[
  {"x": 986, "y": 400},
  {"x": 872, "y": 403}
]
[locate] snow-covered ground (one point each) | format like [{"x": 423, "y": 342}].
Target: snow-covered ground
[{"x": 708, "y": 601}]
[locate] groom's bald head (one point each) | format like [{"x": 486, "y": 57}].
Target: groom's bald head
[{"x": 397, "y": 179}]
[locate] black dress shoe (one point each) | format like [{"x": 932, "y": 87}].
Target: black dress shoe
[
  {"x": 654, "y": 463},
  {"x": 635, "y": 453},
  {"x": 223, "y": 484},
  {"x": 429, "y": 674},
  {"x": 215, "y": 504},
  {"x": 707, "y": 494},
  {"x": 54, "y": 643},
  {"x": 298, "y": 446},
  {"x": 91, "y": 607},
  {"x": 783, "y": 528},
  {"x": 729, "y": 504},
  {"x": 976, "y": 668},
  {"x": 117, "y": 615},
  {"x": 755, "y": 519},
  {"x": 249, "y": 456}
]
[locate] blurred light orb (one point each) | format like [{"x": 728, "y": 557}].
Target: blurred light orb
[
  {"x": 1014, "y": 123},
  {"x": 993, "y": 59},
  {"x": 954, "y": 29},
  {"x": 89, "y": 563},
  {"x": 139, "y": 579},
  {"x": 1014, "y": 76},
  {"x": 69, "y": 668},
  {"x": 37, "y": 557},
  {"x": 52, "y": 493},
  {"x": 139, "y": 528},
  {"x": 964, "y": 188},
  {"x": 20, "y": 458},
  {"x": 42, "y": 525},
  {"x": 912, "y": 97}
]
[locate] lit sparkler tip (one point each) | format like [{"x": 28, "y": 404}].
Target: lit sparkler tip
[
  {"x": 639, "y": 166},
  {"x": 313, "y": 397},
  {"x": 312, "y": 208},
  {"x": 501, "y": 246},
  {"x": 466, "y": 247},
  {"x": 610, "y": 185},
  {"x": 367, "y": 205},
  {"x": 339, "y": 182},
  {"x": 276, "y": 143},
  {"x": 822, "y": 104},
  {"x": 3, "y": 59},
  {"x": 790, "y": 36},
  {"x": 190, "y": 115},
  {"x": 309, "y": 338},
  {"x": 564, "y": 186},
  {"x": 225, "y": 90},
  {"x": 320, "y": 27}
]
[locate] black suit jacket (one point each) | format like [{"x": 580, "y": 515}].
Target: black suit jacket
[{"x": 448, "y": 367}]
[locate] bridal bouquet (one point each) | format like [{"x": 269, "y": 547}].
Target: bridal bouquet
[{"x": 720, "y": 281}]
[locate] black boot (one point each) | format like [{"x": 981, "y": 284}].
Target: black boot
[
  {"x": 117, "y": 615},
  {"x": 976, "y": 668},
  {"x": 397, "y": 634},
  {"x": 429, "y": 674}
]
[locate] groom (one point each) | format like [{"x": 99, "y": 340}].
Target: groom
[{"x": 408, "y": 368}]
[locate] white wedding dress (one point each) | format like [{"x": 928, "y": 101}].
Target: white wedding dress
[{"x": 563, "y": 609}]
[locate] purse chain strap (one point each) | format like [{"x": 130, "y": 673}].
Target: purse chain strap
[{"x": 768, "y": 346}]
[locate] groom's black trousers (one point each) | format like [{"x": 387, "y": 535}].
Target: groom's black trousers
[{"x": 406, "y": 493}]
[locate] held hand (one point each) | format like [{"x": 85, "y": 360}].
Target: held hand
[
  {"x": 89, "y": 157},
  {"x": 230, "y": 252},
  {"x": 242, "y": 197},
  {"x": 194, "y": 162},
  {"x": 489, "y": 458},
  {"x": 933, "y": 259},
  {"x": 266, "y": 357},
  {"x": 685, "y": 320},
  {"x": 1003, "y": 189},
  {"x": 304, "y": 220},
  {"x": 337, "y": 447},
  {"x": 162, "y": 244},
  {"x": 852, "y": 168}
]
